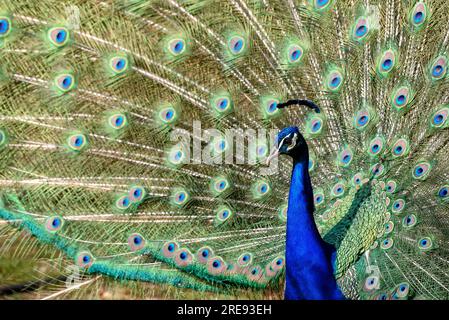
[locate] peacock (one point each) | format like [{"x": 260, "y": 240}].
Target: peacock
[{"x": 224, "y": 149}]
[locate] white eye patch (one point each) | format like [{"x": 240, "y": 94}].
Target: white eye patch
[{"x": 293, "y": 143}]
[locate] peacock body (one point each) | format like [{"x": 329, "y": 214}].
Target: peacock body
[{"x": 101, "y": 184}]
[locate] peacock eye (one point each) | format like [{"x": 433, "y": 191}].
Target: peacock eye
[{"x": 288, "y": 141}]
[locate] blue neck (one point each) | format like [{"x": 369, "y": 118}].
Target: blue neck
[{"x": 309, "y": 260}]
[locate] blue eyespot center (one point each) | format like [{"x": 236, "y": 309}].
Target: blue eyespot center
[
  {"x": 56, "y": 222},
  {"x": 205, "y": 253},
  {"x": 137, "y": 193},
  {"x": 272, "y": 107},
  {"x": 322, "y": 3},
  {"x": 363, "y": 120},
  {"x": 183, "y": 255},
  {"x": 221, "y": 185},
  {"x": 225, "y": 213},
  {"x": 438, "y": 119},
  {"x": 419, "y": 16},
  {"x": 361, "y": 31},
  {"x": 4, "y": 26},
  {"x": 437, "y": 71},
  {"x": 86, "y": 259},
  {"x": 137, "y": 240},
  {"x": 398, "y": 149},
  {"x": 66, "y": 82},
  {"x": 238, "y": 45},
  {"x": 119, "y": 121},
  {"x": 125, "y": 201},
  {"x": 335, "y": 81},
  {"x": 78, "y": 141},
  {"x": 263, "y": 189},
  {"x": 61, "y": 36},
  {"x": 316, "y": 126},
  {"x": 120, "y": 64},
  {"x": 346, "y": 158},
  {"x": 223, "y": 103},
  {"x": 279, "y": 262},
  {"x": 178, "y": 46},
  {"x": 171, "y": 247},
  {"x": 443, "y": 192},
  {"x": 216, "y": 264},
  {"x": 387, "y": 64},
  {"x": 245, "y": 258},
  {"x": 419, "y": 171},
  {"x": 400, "y": 100},
  {"x": 295, "y": 55}
]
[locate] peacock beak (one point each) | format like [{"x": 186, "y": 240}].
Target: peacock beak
[{"x": 274, "y": 153}]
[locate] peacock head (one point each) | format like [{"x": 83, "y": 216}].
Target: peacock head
[{"x": 289, "y": 140}]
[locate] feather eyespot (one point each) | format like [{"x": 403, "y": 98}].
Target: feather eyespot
[
  {"x": 386, "y": 244},
  {"x": 183, "y": 257},
  {"x": 371, "y": 283},
  {"x": 334, "y": 80},
  {"x": 204, "y": 254},
  {"x": 169, "y": 248},
  {"x": 400, "y": 148},
  {"x": 58, "y": 36},
  {"x": 54, "y": 224},
  {"x": 295, "y": 53},
  {"x": 77, "y": 142},
  {"x": 65, "y": 82},
  {"x": 401, "y": 98},
  {"x": 401, "y": 291},
  {"x": 84, "y": 259},
  {"x": 421, "y": 170},
  {"x": 237, "y": 45},
  {"x": 376, "y": 146},
  {"x": 119, "y": 64},
  {"x": 5, "y": 26},
  {"x": 245, "y": 259},
  {"x": 425, "y": 244},
  {"x": 117, "y": 121},
  {"x": 219, "y": 186},
  {"x": 136, "y": 242},
  {"x": 362, "y": 119},
  {"x": 443, "y": 192},
  {"x": 318, "y": 198},
  {"x": 338, "y": 189},
  {"x": 438, "y": 68},
  {"x": 216, "y": 265},
  {"x": 389, "y": 227},
  {"x": 180, "y": 197},
  {"x": 361, "y": 29},
  {"x": 398, "y": 205},
  {"x": 377, "y": 170},
  {"x": 418, "y": 15},
  {"x": 136, "y": 194},
  {"x": 177, "y": 46},
  {"x": 391, "y": 186},
  {"x": 439, "y": 118},
  {"x": 386, "y": 62},
  {"x": 344, "y": 159},
  {"x": 123, "y": 202},
  {"x": 409, "y": 221},
  {"x": 223, "y": 214}
]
